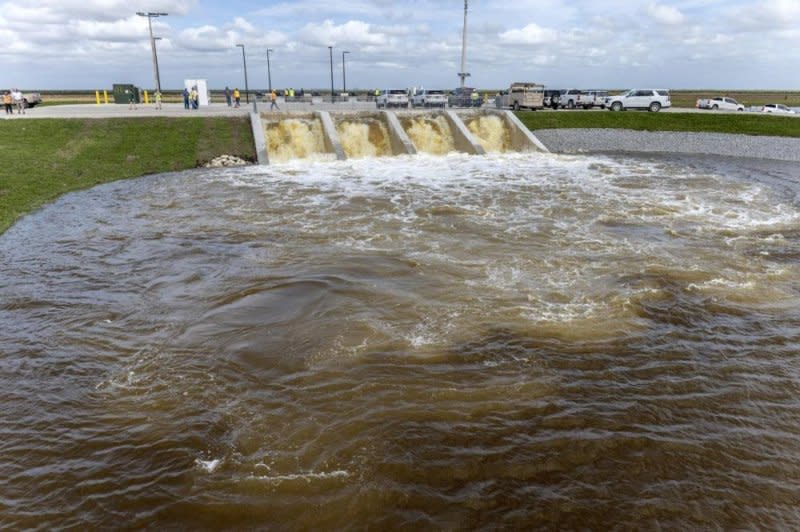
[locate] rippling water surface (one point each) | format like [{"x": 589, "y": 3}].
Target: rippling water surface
[{"x": 506, "y": 341}]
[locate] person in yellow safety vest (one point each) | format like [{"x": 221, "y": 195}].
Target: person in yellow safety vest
[
  {"x": 377, "y": 93},
  {"x": 274, "y": 99},
  {"x": 475, "y": 97},
  {"x": 7, "y": 103},
  {"x": 237, "y": 97},
  {"x": 158, "y": 99}
]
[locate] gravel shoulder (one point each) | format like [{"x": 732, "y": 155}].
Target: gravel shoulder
[{"x": 627, "y": 141}]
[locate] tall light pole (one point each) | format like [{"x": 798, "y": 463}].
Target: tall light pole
[
  {"x": 155, "y": 56},
  {"x": 150, "y": 16},
  {"x": 330, "y": 50},
  {"x": 269, "y": 72},
  {"x": 246, "y": 86},
  {"x": 463, "y": 74},
  {"x": 344, "y": 76}
]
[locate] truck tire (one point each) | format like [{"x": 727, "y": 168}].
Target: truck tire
[
  {"x": 616, "y": 106},
  {"x": 715, "y": 107},
  {"x": 654, "y": 107},
  {"x": 570, "y": 104},
  {"x": 516, "y": 106}
]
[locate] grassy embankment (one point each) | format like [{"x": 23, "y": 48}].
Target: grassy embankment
[
  {"x": 743, "y": 124},
  {"x": 43, "y": 159}
]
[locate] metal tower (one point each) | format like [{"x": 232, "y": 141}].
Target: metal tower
[{"x": 464, "y": 74}]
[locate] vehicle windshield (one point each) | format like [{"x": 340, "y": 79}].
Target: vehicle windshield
[
  {"x": 397, "y": 91},
  {"x": 435, "y": 92}
]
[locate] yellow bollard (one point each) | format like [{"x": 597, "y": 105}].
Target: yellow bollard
[
  {"x": 97, "y": 97},
  {"x": 105, "y": 95},
  {"x": 146, "y": 100}
]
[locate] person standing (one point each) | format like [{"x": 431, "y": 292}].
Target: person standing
[
  {"x": 273, "y": 98},
  {"x": 237, "y": 97},
  {"x": 158, "y": 99},
  {"x": 131, "y": 99},
  {"x": 228, "y": 95},
  {"x": 8, "y": 103},
  {"x": 193, "y": 97},
  {"x": 185, "y": 98},
  {"x": 19, "y": 101}
]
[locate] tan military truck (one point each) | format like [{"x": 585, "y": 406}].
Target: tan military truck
[{"x": 521, "y": 95}]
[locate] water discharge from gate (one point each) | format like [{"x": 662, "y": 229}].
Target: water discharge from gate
[
  {"x": 295, "y": 138},
  {"x": 429, "y": 133},
  {"x": 364, "y": 137},
  {"x": 491, "y": 131}
]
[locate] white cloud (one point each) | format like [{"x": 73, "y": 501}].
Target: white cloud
[
  {"x": 664, "y": 14},
  {"x": 530, "y": 34},
  {"x": 351, "y": 32}
]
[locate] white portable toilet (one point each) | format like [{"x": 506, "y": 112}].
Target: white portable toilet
[{"x": 203, "y": 96}]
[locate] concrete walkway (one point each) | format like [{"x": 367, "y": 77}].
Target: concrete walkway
[{"x": 176, "y": 109}]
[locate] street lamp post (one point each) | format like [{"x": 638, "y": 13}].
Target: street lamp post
[
  {"x": 330, "y": 51},
  {"x": 344, "y": 76},
  {"x": 246, "y": 86},
  {"x": 269, "y": 72},
  {"x": 150, "y": 16}
]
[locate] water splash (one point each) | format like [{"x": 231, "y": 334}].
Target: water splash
[
  {"x": 491, "y": 131},
  {"x": 367, "y": 137},
  {"x": 430, "y": 134},
  {"x": 294, "y": 138}
]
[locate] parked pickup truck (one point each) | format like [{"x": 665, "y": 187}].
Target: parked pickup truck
[
  {"x": 430, "y": 98},
  {"x": 522, "y": 96},
  {"x": 392, "y": 98},
  {"x": 31, "y": 99},
  {"x": 720, "y": 102},
  {"x": 594, "y": 98}
]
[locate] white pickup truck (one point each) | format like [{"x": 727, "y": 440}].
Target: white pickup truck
[
  {"x": 392, "y": 98},
  {"x": 720, "y": 102},
  {"x": 430, "y": 98}
]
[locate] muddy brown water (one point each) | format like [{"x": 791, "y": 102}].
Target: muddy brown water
[{"x": 510, "y": 341}]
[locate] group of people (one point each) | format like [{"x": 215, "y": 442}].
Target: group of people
[
  {"x": 233, "y": 97},
  {"x": 191, "y": 98},
  {"x": 12, "y": 99}
]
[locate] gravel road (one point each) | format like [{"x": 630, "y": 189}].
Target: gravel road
[{"x": 623, "y": 140}]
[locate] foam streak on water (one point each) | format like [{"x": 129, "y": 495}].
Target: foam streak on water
[{"x": 513, "y": 341}]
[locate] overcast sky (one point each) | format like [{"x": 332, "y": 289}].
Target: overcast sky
[{"x": 88, "y": 44}]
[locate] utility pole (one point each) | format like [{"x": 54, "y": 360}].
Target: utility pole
[
  {"x": 464, "y": 74},
  {"x": 330, "y": 51},
  {"x": 344, "y": 76},
  {"x": 269, "y": 72},
  {"x": 246, "y": 88},
  {"x": 150, "y": 16}
]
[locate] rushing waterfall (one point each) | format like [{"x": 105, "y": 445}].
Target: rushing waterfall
[
  {"x": 429, "y": 133},
  {"x": 295, "y": 138},
  {"x": 491, "y": 131},
  {"x": 364, "y": 137}
]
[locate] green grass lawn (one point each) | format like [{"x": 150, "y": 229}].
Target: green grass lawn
[
  {"x": 745, "y": 124},
  {"x": 45, "y": 158}
]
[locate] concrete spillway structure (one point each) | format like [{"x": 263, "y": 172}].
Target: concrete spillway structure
[{"x": 338, "y": 136}]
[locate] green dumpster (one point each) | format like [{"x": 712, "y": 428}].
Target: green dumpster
[{"x": 123, "y": 91}]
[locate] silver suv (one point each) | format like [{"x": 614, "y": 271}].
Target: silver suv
[{"x": 651, "y": 99}]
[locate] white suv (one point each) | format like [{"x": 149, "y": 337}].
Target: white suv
[
  {"x": 392, "y": 98},
  {"x": 430, "y": 98},
  {"x": 651, "y": 99}
]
